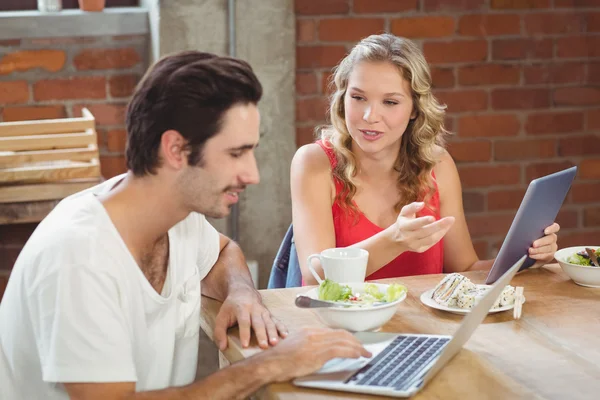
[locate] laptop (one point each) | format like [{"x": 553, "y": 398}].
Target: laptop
[
  {"x": 402, "y": 364},
  {"x": 538, "y": 210}
]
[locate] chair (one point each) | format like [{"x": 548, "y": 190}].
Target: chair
[{"x": 285, "y": 272}]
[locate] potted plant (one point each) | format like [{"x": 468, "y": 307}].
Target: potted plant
[{"x": 92, "y": 5}]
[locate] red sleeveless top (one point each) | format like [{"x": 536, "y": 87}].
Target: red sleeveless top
[{"x": 350, "y": 230}]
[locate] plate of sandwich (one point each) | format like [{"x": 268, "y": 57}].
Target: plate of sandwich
[{"x": 456, "y": 294}]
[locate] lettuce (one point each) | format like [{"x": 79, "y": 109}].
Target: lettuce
[
  {"x": 333, "y": 291},
  {"x": 394, "y": 292}
]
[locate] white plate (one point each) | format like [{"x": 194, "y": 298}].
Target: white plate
[{"x": 428, "y": 301}]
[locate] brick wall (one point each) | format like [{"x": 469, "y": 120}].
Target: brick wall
[
  {"x": 521, "y": 79},
  {"x": 55, "y": 78}
]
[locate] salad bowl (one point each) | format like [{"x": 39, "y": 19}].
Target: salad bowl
[
  {"x": 571, "y": 262},
  {"x": 358, "y": 316}
]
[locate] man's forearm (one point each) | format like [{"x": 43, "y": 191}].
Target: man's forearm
[
  {"x": 237, "y": 381},
  {"x": 229, "y": 273}
]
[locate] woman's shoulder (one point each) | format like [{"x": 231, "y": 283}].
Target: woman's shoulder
[{"x": 311, "y": 158}]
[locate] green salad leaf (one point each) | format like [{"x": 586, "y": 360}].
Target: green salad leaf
[
  {"x": 394, "y": 292},
  {"x": 333, "y": 291},
  {"x": 373, "y": 290}
]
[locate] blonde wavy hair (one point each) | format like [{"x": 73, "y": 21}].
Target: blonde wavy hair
[{"x": 423, "y": 133}]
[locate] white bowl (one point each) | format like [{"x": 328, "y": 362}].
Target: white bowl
[
  {"x": 356, "y": 319},
  {"x": 581, "y": 275}
]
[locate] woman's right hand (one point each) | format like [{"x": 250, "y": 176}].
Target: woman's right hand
[{"x": 419, "y": 234}]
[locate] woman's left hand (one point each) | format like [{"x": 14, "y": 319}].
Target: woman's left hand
[{"x": 544, "y": 248}]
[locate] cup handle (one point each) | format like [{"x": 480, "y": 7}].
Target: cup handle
[{"x": 310, "y": 267}]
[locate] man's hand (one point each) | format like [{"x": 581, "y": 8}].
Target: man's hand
[
  {"x": 306, "y": 351},
  {"x": 245, "y": 308}
]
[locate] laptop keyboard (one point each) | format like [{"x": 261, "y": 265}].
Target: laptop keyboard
[{"x": 400, "y": 363}]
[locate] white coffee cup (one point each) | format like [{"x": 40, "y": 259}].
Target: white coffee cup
[{"x": 341, "y": 265}]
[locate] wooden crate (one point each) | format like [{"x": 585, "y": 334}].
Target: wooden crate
[{"x": 47, "y": 159}]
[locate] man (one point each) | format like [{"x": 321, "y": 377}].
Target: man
[{"x": 104, "y": 300}]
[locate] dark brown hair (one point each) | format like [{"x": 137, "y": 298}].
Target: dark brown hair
[{"x": 188, "y": 92}]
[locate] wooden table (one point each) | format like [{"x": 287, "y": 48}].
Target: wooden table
[{"x": 552, "y": 352}]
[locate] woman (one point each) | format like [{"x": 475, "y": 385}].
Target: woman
[{"x": 380, "y": 179}]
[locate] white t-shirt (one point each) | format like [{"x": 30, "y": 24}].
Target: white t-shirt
[{"x": 79, "y": 309}]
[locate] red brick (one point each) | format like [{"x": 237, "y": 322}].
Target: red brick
[
  {"x": 488, "y": 125},
  {"x": 27, "y": 113},
  {"x": 590, "y": 169},
  {"x": 10, "y": 43},
  {"x": 579, "y": 146},
  {"x": 542, "y": 169},
  {"x": 116, "y": 140},
  {"x": 83, "y": 87},
  {"x": 489, "y": 74},
  {"x": 505, "y": 199},
  {"x": 585, "y": 192},
  {"x": 25, "y": 60},
  {"x": 384, "y": 6},
  {"x": 473, "y": 202},
  {"x": 16, "y": 235},
  {"x": 591, "y": 217},
  {"x": 513, "y": 150},
  {"x": 471, "y": 151},
  {"x": 92, "y": 59},
  {"x": 327, "y": 85},
  {"x": 519, "y": 49},
  {"x": 567, "y": 219},
  {"x": 306, "y": 83},
  {"x": 319, "y": 56},
  {"x": 311, "y": 109},
  {"x": 593, "y": 119},
  {"x": 112, "y": 166},
  {"x": 578, "y": 46},
  {"x": 554, "y": 122},
  {"x": 442, "y": 77},
  {"x": 481, "y": 248},
  {"x": 488, "y": 175},
  {"x": 423, "y": 27},
  {"x": 456, "y": 51},
  {"x": 489, "y": 224},
  {"x": 463, "y": 100},
  {"x": 306, "y": 30},
  {"x": 349, "y": 29},
  {"x": 592, "y": 21},
  {"x": 305, "y": 135},
  {"x": 14, "y": 92},
  {"x": 453, "y": 5},
  {"x": 576, "y": 3},
  {"x": 555, "y": 73},
  {"x": 594, "y": 73},
  {"x": 578, "y": 238},
  {"x": 320, "y": 7},
  {"x": 507, "y": 99},
  {"x": 449, "y": 122},
  {"x": 4, "y": 275},
  {"x": 519, "y": 4},
  {"x": 554, "y": 23},
  {"x": 489, "y": 24},
  {"x": 105, "y": 114},
  {"x": 8, "y": 257},
  {"x": 576, "y": 96},
  {"x": 122, "y": 85}
]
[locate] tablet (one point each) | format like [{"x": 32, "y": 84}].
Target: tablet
[{"x": 538, "y": 210}]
